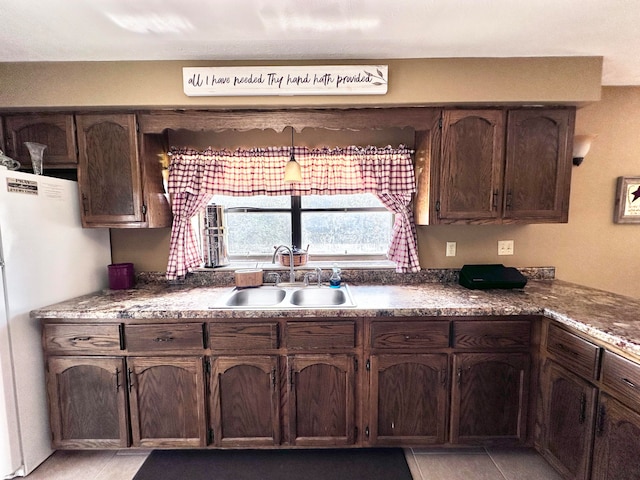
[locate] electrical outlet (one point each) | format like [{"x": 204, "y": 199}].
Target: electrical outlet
[
  {"x": 451, "y": 249},
  {"x": 505, "y": 247}
]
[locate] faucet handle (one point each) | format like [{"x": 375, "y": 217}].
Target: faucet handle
[
  {"x": 274, "y": 274},
  {"x": 306, "y": 278}
]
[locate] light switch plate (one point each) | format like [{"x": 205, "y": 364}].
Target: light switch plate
[{"x": 505, "y": 247}]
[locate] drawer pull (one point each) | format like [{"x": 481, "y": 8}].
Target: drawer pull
[
  {"x": 163, "y": 339},
  {"x": 81, "y": 339},
  {"x": 407, "y": 337},
  {"x": 629, "y": 383}
]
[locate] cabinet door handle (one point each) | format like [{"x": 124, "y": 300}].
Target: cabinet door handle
[
  {"x": 291, "y": 375},
  {"x": 583, "y": 408},
  {"x": 130, "y": 374},
  {"x": 273, "y": 378},
  {"x": 118, "y": 380},
  {"x": 443, "y": 377},
  {"x": 84, "y": 203},
  {"x": 601, "y": 418},
  {"x": 459, "y": 375},
  {"x": 494, "y": 203},
  {"x": 509, "y": 198}
]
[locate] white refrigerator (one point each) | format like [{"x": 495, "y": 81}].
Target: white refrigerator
[{"x": 46, "y": 257}]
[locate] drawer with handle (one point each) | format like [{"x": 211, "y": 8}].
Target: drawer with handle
[
  {"x": 621, "y": 375},
  {"x": 183, "y": 337},
  {"x": 579, "y": 355},
  {"x": 83, "y": 339}
]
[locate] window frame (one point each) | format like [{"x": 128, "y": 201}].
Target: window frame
[{"x": 296, "y": 210}]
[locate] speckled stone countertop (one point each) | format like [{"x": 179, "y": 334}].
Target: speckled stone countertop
[{"x": 611, "y": 319}]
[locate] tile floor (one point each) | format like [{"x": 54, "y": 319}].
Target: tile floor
[{"x": 425, "y": 464}]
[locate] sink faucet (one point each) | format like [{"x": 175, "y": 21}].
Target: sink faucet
[
  {"x": 317, "y": 272},
  {"x": 292, "y": 275}
]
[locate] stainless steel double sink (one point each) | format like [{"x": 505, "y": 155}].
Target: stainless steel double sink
[{"x": 287, "y": 296}]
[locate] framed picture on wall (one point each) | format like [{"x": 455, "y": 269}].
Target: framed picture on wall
[{"x": 627, "y": 208}]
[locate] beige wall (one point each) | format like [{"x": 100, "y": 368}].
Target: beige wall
[
  {"x": 572, "y": 80},
  {"x": 590, "y": 249}
]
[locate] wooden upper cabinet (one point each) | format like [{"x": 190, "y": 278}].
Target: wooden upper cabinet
[
  {"x": 503, "y": 166},
  {"x": 538, "y": 165},
  {"x": 469, "y": 183},
  {"x": 108, "y": 171},
  {"x": 56, "y": 131}
]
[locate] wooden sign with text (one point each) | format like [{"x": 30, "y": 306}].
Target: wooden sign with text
[{"x": 304, "y": 80}]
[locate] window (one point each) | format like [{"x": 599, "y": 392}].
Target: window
[{"x": 332, "y": 225}]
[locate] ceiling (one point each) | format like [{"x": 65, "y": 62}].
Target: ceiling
[{"x": 249, "y": 30}]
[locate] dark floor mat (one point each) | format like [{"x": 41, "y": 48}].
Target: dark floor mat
[{"x": 314, "y": 464}]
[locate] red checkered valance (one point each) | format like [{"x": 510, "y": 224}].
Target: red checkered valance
[{"x": 195, "y": 176}]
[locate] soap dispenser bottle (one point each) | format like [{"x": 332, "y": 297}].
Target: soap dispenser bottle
[{"x": 334, "y": 280}]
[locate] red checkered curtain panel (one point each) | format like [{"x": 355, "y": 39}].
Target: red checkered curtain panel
[{"x": 195, "y": 176}]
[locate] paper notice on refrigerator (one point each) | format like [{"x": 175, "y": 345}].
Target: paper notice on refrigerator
[
  {"x": 18, "y": 185},
  {"x": 52, "y": 191}
]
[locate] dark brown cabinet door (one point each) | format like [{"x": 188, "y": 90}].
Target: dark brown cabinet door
[
  {"x": 408, "y": 399},
  {"x": 56, "y": 131},
  {"x": 108, "y": 170},
  {"x": 427, "y": 154},
  {"x": 245, "y": 400},
  {"x": 471, "y": 170},
  {"x": 617, "y": 442},
  {"x": 569, "y": 409},
  {"x": 167, "y": 401},
  {"x": 87, "y": 398},
  {"x": 489, "y": 398},
  {"x": 538, "y": 165},
  {"x": 321, "y": 395}
]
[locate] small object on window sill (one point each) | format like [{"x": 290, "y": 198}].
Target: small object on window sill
[
  {"x": 248, "y": 277},
  {"x": 300, "y": 258}
]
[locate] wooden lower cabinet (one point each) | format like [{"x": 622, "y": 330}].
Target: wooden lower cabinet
[
  {"x": 321, "y": 395},
  {"x": 616, "y": 453},
  {"x": 88, "y": 402},
  {"x": 489, "y": 398},
  {"x": 245, "y": 400},
  {"x": 167, "y": 401},
  {"x": 408, "y": 399},
  {"x": 569, "y": 408}
]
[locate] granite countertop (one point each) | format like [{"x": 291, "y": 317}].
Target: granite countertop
[{"x": 611, "y": 319}]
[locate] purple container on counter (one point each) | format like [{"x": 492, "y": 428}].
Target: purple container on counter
[{"x": 121, "y": 276}]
